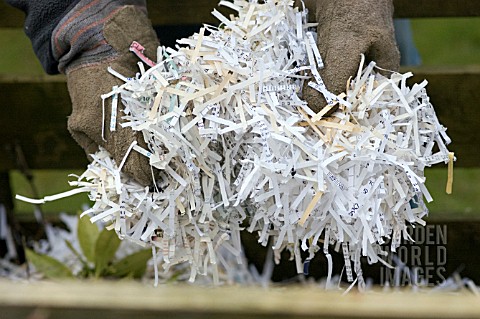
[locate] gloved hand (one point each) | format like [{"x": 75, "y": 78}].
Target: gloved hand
[
  {"x": 346, "y": 30},
  {"x": 97, "y": 34}
]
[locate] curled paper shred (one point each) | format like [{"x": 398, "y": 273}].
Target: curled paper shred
[{"x": 234, "y": 144}]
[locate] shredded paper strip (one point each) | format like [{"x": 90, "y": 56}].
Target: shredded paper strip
[{"x": 235, "y": 147}]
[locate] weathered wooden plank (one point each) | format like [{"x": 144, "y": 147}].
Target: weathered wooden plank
[
  {"x": 34, "y": 119},
  {"x": 10, "y": 17},
  {"x": 121, "y": 300},
  {"x": 436, "y": 8},
  {"x": 162, "y": 12},
  {"x": 181, "y": 12},
  {"x": 455, "y": 96}
]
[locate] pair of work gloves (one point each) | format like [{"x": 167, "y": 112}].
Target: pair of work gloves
[{"x": 81, "y": 38}]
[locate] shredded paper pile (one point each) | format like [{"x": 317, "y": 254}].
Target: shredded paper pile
[{"x": 237, "y": 149}]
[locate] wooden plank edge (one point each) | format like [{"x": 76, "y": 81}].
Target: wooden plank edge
[
  {"x": 234, "y": 301},
  {"x": 198, "y": 12}
]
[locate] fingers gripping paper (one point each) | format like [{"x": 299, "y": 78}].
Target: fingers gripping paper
[{"x": 233, "y": 143}]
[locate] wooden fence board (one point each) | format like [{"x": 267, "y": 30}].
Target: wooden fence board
[
  {"x": 181, "y": 12},
  {"x": 35, "y": 111},
  {"x": 121, "y": 300},
  {"x": 454, "y": 93},
  {"x": 436, "y": 8}
]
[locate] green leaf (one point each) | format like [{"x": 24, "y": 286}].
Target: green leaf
[
  {"x": 133, "y": 265},
  {"x": 87, "y": 233},
  {"x": 49, "y": 266},
  {"x": 87, "y": 269},
  {"x": 106, "y": 246},
  {"x": 75, "y": 252}
]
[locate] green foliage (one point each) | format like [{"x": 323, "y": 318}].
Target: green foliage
[
  {"x": 133, "y": 265},
  {"x": 49, "y": 266},
  {"x": 105, "y": 248},
  {"x": 97, "y": 256},
  {"x": 87, "y": 237}
]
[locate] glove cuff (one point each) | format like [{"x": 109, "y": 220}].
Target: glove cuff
[
  {"x": 78, "y": 39},
  {"x": 41, "y": 17}
]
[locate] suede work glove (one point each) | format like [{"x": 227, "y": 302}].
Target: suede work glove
[
  {"x": 93, "y": 36},
  {"x": 346, "y": 30}
]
